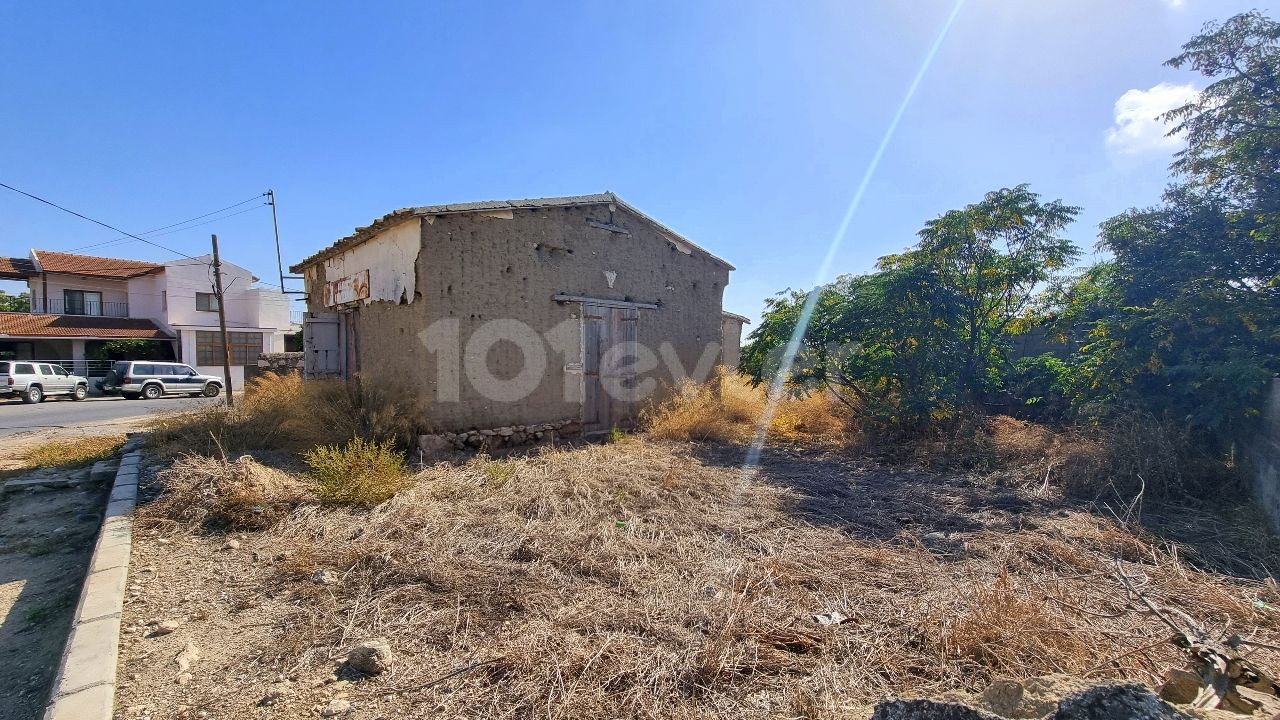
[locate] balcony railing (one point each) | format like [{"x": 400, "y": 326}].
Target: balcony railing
[
  {"x": 55, "y": 306},
  {"x": 85, "y": 368}
]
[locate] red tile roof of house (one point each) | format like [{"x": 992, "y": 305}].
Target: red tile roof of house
[
  {"x": 16, "y": 268},
  {"x": 92, "y": 266},
  {"x": 27, "y": 325}
]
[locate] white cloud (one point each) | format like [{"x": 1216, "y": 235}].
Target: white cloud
[
  {"x": 1175, "y": 3},
  {"x": 1138, "y": 129}
]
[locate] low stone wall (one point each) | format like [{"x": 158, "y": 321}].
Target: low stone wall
[
  {"x": 280, "y": 362},
  {"x": 433, "y": 446}
]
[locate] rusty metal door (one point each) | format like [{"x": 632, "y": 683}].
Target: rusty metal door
[{"x": 608, "y": 367}]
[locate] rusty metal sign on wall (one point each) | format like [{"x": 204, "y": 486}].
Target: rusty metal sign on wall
[{"x": 347, "y": 289}]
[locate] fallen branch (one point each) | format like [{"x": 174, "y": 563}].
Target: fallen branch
[{"x": 432, "y": 683}]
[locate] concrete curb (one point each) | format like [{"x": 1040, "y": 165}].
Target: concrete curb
[{"x": 85, "y": 686}]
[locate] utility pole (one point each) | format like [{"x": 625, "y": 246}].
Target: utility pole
[
  {"x": 222, "y": 321},
  {"x": 271, "y": 200}
]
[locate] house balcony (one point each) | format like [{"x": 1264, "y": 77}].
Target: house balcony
[{"x": 93, "y": 308}]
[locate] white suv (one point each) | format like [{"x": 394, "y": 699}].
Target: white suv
[{"x": 34, "y": 381}]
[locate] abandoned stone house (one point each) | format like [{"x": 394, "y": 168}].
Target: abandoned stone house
[{"x": 556, "y": 314}]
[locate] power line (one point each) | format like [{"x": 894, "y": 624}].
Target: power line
[
  {"x": 95, "y": 222},
  {"x": 155, "y": 232}
]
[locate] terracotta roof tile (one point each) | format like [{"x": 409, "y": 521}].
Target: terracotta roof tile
[
  {"x": 13, "y": 268},
  {"x": 26, "y": 325},
  {"x": 89, "y": 265}
]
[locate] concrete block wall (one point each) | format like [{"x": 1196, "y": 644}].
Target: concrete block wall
[{"x": 1264, "y": 455}]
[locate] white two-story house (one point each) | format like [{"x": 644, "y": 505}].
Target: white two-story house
[{"x": 80, "y": 302}]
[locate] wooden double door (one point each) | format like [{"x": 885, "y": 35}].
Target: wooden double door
[{"x": 610, "y": 393}]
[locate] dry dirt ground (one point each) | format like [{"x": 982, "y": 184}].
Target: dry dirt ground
[
  {"x": 15, "y": 446},
  {"x": 46, "y": 539},
  {"x": 655, "y": 579}
]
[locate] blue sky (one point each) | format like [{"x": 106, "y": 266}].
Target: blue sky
[{"x": 744, "y": 125}]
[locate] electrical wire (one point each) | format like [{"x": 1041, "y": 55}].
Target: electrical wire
[
  {"x": 95, "y": 222},
  {"x": 188, "y": 227},
  {"x": 156, "y": 232}
]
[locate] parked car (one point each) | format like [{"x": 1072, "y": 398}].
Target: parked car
[
  {"x": 34, "y": 381},
  {"x": 152, "y": 380}
]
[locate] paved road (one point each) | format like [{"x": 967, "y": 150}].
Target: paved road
[{"x": 56, "y": 412}]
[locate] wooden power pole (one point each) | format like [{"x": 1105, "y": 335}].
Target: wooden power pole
[{"x": 222, "y": 322}]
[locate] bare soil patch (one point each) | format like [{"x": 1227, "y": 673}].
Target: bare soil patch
[
  {"x": 46, "y": 539},
  {"x": 654, "y": 579}
]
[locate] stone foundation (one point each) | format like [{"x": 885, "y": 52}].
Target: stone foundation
[
  {"x": 433, "y": 446},
  {"x": 281, "y": 362}
]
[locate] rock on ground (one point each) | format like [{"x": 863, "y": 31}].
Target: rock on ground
[
  {"x": 1103, "y": 702},
  {"x": 928, "y": 710},
  {"x": 335, "y": 708},
  {"x": 1117, "y": 702},
  {"x": 325, "y": 577},
  {"x": 371, "y": 657},
  {"x": 1030, "y": 698}
]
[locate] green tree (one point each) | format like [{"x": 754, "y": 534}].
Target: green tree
[
  {"x": 15, "y": 303},
  {"x": 995, "y": 256},
  {"x": 927, "y": 332},
  {"x": 1233, "y": 125},
  {"x": 1184, "y": 321}
]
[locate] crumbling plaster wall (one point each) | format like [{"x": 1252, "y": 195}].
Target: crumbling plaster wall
[
  {"x": 475, "y": 268},
  {"x": 731, "y": 340},
  {"x": 389, "y": 257}
]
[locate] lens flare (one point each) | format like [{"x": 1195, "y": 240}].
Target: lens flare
[{"x": 806, "y": 312}]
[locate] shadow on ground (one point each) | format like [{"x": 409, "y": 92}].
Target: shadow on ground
[
  {"x": 46, "y": 539},
  {"x": 881, "y": 502},
  {"x": 878, "y": 502}
]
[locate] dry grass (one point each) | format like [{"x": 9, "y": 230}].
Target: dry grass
[
  {"x": 281, "y": 412},
  {"x": 219, "y": 495},
  {"x": 1131, "y": 458},
  {"x": 729, "y": 409},
  {"x": 72, "y": 453},
  {"x": 646, "y": 578},
  {"x": 361, "y": 472},
  {"x": 637, "y": 579}
]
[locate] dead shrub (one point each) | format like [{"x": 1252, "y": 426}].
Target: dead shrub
[
  {"x": 1003, "y": 629},
  {"x": 284, "y": 412},
  {"x": 729, "y": 409},
  {"x": 339, "y": 411},
  {"x": 361, "y": 472},
  {"x": 1032, "y": 454},
  {"x": 1130, "y": 458},
  {"x": 817, "y": 414},
  {"x": 222, "y": 495},
  {"x": 692, "y": 412}
]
